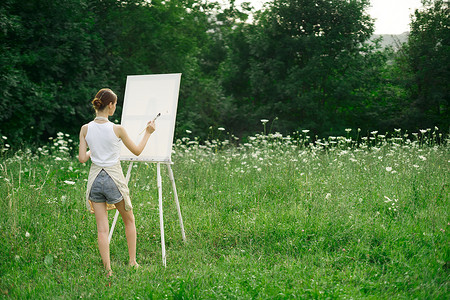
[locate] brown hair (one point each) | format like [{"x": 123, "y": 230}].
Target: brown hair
[{"x": 103, "y": 98}]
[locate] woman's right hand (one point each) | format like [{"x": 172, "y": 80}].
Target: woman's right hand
[{"x": 151, "y": 127}]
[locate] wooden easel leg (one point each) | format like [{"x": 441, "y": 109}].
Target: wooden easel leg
[
  {"x": 176, "y": 201},
  {"x": 116, "y": 216},
  {"x": 161, "y": 219}
]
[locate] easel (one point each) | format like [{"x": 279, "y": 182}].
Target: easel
[
  {"x": 161, "y": 219},
  {"x": 148, "y": 96}
]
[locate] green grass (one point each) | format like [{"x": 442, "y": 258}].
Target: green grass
[{"x": 277, "y": 217}]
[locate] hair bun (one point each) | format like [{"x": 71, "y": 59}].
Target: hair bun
[
  {"x": 103, "y": 98},
  {"x": 97, "y": 103}
]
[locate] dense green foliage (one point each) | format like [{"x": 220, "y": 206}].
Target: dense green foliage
[
  {"x": 304, "y": 63},
  {"x": 272, "y": 218},
  {"x": 429, "y": 61}
]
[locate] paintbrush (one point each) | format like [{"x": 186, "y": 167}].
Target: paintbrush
[{"x": 159, "y": 114}]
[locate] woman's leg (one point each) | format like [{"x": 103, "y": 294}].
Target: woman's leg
[
  {"x": 130, "y": 230},
  {"x": 101, "y": 216}
]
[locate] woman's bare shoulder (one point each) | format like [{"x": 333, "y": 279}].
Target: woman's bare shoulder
[
  {"x": 84, "y": 129},
  {"x": 119, "y": 130}
]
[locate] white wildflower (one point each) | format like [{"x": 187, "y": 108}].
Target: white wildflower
[
  {"x": 422, "y": 157},
  {"x": 188, "y": 131},
  {"x": 221, "y": 129},
  {"x": 27, "y": 234},
  {"x": 277, "y": 135},
  {"x": 264, "y": 121},
  {"x": 69, "y": 182},
  {"x": 389, "y": 169}
]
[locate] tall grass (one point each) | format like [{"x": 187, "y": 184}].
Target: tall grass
[{"x": 272, "y": 217}]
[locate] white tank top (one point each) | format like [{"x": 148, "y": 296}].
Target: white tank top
[{"x": 103, "y": 143}]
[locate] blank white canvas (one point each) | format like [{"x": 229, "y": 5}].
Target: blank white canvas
[{"x": 145, "y": 97}]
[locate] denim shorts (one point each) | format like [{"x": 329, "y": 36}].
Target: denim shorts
[{"x": 104, "y": 190}]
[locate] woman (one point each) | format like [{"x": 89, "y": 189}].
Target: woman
[{"x": 107, "y": 187}]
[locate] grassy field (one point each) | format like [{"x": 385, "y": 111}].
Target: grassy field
[{"x": 274, "y": 217}]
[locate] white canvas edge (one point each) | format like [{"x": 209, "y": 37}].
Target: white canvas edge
[{"x": 166, "y": 160}]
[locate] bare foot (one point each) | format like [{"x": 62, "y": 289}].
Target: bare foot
[
  {"x": 134, "y": 264},
  {"x": 110, "y": 273}
]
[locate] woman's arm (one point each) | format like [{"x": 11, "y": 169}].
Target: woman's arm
[
  {"x": 135, "y": 149},
  {"x": 83, "y": 154}
]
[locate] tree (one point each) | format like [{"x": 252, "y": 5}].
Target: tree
[
  {"x": 49, "y": 51},
  {"x": 428, "y": 59},
  {"x": 300, "y": 56},
  {"x": 55, "y": 55}
]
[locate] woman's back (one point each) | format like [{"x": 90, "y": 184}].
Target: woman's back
[{"x": 103, "y": 143}]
